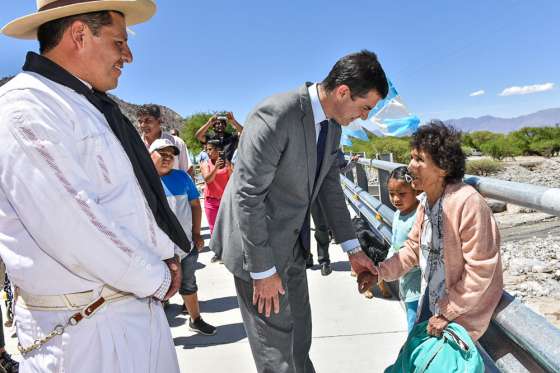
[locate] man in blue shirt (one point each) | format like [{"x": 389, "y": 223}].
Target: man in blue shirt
[{"x": 183, "y": 198}]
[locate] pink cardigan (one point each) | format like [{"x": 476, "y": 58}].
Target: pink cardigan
[{"x": 471, "y": 250}]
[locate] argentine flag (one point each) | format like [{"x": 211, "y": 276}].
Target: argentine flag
[{"x": 390, "y": 117}]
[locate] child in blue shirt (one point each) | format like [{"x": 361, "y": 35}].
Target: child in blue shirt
[
  {"x": 183, "y": 198},
  {"x": 403, "y": 197}
]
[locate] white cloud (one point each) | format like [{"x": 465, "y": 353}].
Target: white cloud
[
  {"x": 477, "y": 93},
  {"x": 526, "y": 90}
]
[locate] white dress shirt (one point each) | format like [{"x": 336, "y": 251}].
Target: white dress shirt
[
  {"x": 318, "y": 116},
  {"x": 72, "y": 214}
]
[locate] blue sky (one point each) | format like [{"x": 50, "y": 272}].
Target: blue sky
[{"x": 228, "y": 55}]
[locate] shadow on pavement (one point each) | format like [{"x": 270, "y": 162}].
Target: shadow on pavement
[
  {"x": 172, "y": 311},
  {"x": 342, "y": 266},
  {"x": 218, "y": 304},
  {"x": 205, "y": 249},
  {"x": 225, "y": 334}
]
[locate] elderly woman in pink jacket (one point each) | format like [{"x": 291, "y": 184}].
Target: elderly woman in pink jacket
[{"x": 455, "y": 239}]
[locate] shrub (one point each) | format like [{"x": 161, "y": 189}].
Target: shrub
[
  {"x": 483, "y": 167},
  {"x": 399, "y": 146},
  {"x": 546, "y": 148},
  {"x": 500, "y": 147}
]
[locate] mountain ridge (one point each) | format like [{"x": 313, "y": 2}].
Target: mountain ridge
[{"x": 541, "y": 118}]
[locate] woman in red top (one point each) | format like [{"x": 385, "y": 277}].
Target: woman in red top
[{"x": 216, "y": 172}]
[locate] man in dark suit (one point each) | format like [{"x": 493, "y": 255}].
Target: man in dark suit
[{"x": 287, "y": 160}]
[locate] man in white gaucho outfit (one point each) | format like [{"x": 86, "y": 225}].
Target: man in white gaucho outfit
[{"x": 86, "y": 233}]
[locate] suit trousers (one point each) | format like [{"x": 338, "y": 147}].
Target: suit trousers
[
  {"x": 281, "y": 342},
  {"x": 321, "y": 233}
]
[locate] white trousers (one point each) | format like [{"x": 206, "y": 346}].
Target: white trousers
[{"x": 127, "y": 336}]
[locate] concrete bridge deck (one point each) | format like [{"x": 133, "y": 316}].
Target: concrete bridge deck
[{"x": 350, "y": 333}]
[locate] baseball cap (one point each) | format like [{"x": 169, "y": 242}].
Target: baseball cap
[{"x": 163, "y": 143}]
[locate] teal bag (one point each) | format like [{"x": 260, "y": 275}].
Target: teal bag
[{"x": 453, "y": 352}]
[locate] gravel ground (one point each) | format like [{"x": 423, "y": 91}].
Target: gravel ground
[
  {"x": 532, "y": 264},
  {"x": 532, "y": 170}
]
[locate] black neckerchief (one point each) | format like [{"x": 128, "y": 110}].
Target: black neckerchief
[{"x": 135, "y": 149}]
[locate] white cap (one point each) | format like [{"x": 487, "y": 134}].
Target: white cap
[{"x": 162, "y": 144}]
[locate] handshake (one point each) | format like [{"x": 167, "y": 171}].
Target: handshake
[{"x": 366, "y": 280}]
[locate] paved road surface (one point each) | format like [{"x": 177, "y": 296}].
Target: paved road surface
[{"x": 350, "y": 333}]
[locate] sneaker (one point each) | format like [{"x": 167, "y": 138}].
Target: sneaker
[
  {"x": 7, "y": 364},
  {"x": 215, "y": 259},
  {"x": 184, "y": 311},
  {"x": 202, "y": 327},
  {"x": 326, "y": 269}
]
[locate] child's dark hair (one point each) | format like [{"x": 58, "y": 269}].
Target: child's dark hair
[
  {"x": 401, "y": 173},
  {"x": 217, "y": 144}
]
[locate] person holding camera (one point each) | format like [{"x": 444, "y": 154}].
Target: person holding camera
[
  {"x": 228, "y": 141},
  {"x": 216, "y": 172}
]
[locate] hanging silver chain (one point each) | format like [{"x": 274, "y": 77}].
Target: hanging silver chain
[{"x": 58, "y": 330}]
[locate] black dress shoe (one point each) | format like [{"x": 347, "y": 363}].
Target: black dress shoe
[
  {"x": 215, "y": 259},
  {"x": 309, "y": 261},
  {"x": 326, "y": 269}
]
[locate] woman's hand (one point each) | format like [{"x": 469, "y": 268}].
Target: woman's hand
[
  {"x": 365, "y": 281},
  {"x": 436, "y": 324},
  {"x": 220, "y": 163}
]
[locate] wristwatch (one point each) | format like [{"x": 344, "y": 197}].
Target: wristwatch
[{"x": 354, "y": 251}]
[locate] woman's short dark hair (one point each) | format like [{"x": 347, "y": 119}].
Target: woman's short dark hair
[
  {"x": 443, "y": 144},
  {"x": 50, "y": 34},
  {"x": 361, "y": 72},
  {"x": 149, "y": 109}
]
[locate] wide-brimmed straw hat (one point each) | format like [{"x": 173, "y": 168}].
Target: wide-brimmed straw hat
[{"x": 135, "y": 11}]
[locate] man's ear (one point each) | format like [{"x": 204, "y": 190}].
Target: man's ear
[
  {"x": 78, "y": 31},
  {"x": 342, "y": 91}
]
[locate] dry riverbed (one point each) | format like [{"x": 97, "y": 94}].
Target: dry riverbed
[{"x": 531, "y": 240}]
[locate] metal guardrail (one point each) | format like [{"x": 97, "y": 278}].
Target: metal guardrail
[
  {"x": 532, "y": 196},
  {"x": 518, "y": 339}
]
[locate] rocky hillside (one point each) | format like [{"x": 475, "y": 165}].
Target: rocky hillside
[{"x": 170, "y": 118}]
